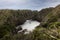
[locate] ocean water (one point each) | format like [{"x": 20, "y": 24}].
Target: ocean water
[{"x": 30, "y": 25}]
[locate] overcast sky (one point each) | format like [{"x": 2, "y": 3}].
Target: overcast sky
[{"x": 28, "y": 4}]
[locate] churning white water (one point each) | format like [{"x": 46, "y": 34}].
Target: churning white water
[{"x": 30, "y": 25}]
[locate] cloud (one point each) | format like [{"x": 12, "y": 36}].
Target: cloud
[
  {"x": 39, "y": 4},
  {"x": 12, "y": 2},
  {"x": 28, "y": 4}
]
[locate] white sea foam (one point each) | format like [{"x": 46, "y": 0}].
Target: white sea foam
[{"x": 30, "y": 25}]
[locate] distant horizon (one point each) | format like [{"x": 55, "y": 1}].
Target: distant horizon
[{"x": 28, "y": 4}]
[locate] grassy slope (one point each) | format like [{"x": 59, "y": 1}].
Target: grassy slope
[{"x": 48, "y": 30}]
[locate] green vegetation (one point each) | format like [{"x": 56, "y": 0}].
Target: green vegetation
[{"x": 49, "y": 29}]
